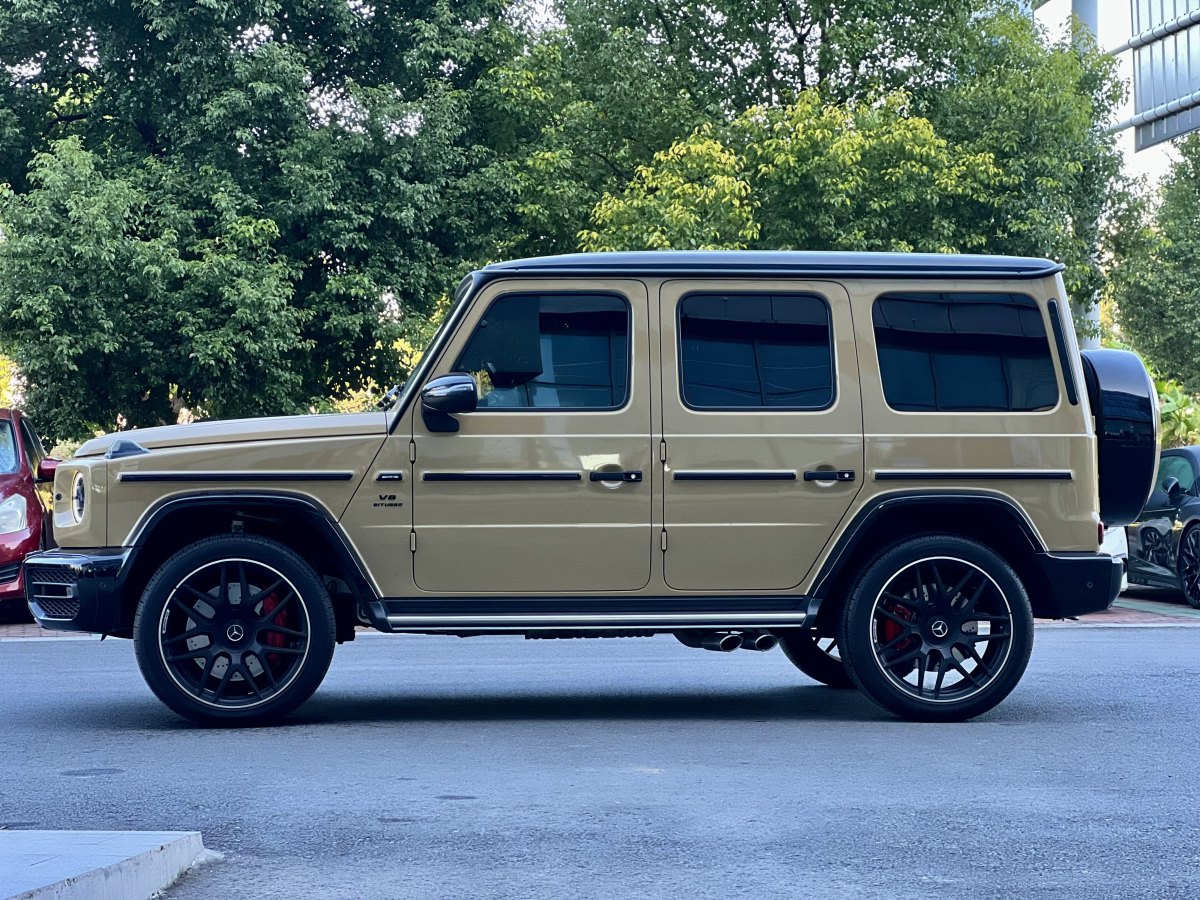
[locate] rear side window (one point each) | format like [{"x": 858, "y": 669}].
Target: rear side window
[
  {"x": 551, "y": 351},
  {"x": 963, "y": 352},
  {"x": 755, "y": 351}
]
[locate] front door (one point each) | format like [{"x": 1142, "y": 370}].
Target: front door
[
  {"x": 763, "y": 428},
  {"x": 547, "y": 486}
]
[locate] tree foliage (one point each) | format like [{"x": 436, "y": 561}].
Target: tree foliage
[
  {"x": 811, "y": 175},
  {"x": 224, "y": 197},
  {"x": 1156, "y": 271}
]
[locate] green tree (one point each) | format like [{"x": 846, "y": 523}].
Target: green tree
[
  {"x": 574, "y": 115},
  {"x": 225, "y": 196},
  {"x": 1156, "y": 271},
  {"x": 1040, "y": 108},
  {"x": 811, "y": 175}
]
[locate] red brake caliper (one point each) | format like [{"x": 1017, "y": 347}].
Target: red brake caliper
[
  {"x": 274, "y": 638},
  {"x": 889, "y": 630}
]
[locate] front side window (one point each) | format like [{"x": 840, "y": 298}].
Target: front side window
[
  {"x": 8, "y": 448},
  {"x": 963, "y": 352},
  {"x": 1180, "y": 469},
  {"x": 34, "y": 452},
  {"x": 551, "y": 351},
  {"x": 755, "y": 351}
]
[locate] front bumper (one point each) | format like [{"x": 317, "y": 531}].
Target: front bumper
[
  {"x": 13, "y": 548},
  {"x": 79, "y": 590},
  {"x": 1077, "y": 583}
]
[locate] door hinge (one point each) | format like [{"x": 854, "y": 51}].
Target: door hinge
[
  {"x": 662, "y": 451},
  {"x": 412, "y": 451},
  {"x": 412, "y": 541},
  {"x": 664, "y": 539}
]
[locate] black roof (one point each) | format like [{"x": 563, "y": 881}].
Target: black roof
[{"x": 780, "y": 262}]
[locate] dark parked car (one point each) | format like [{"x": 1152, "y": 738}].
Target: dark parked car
[
  {"x": 1164, "y": 544},
  {"x": 24, "y": 509}
]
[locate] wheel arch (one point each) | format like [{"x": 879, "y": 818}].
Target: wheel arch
[
  {"x": 293, "y": 520},
  {"x": 991, "y": 519}
]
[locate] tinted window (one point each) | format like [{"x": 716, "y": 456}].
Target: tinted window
[
  {"x": 964, "y": 353},
  {"x": 8, "y": 448},
  {"x": 1179, "y": 468},
  {"x": 34, "y": 451},
  {"x": 551, "y": 351},
  {"x": 743, "y": 351}
]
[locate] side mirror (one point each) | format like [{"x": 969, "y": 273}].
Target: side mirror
[
  {"x": 445, "y": 397},
  {"x": 1173, "y": 491},
  {"x": 46, "y": 468}
]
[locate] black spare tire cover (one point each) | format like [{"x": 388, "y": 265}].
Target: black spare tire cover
[{"x": 1125, "y": 407}]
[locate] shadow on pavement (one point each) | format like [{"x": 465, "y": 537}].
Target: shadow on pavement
[{"x": 799, "y": 704}]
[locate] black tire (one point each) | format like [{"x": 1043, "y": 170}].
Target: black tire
[
  {"x": 15, "y": 612},
  {"x": 813, "y": 654},
  {"x": 934, "y": 600},
  {"x": 1189, "y": 566},
  {"x": 216, "y": 662}
]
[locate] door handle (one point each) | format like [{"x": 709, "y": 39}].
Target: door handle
[
  {"x": 830, "y": 475},
  {"x": 633, "y": 475}
]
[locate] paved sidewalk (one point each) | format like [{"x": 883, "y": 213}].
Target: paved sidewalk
[{"x": 94, "y": 865}]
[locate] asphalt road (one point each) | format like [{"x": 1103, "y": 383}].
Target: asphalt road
[{"x": 497, "y": 767}]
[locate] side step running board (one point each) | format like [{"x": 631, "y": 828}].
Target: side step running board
[{"x": 659, "y": 613}]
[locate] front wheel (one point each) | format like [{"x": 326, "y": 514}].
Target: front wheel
[
  {"x": 1189, "y": 566},
  {"x": 234, "y": 630},
  {"x": 937, "y": 629}
]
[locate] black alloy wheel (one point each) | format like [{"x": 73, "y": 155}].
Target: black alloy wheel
[
  {"x": 1189, "y": 566},
  {"x": 234, "y": 630},
  {"x": 1156, "y": 548},
  {"x": 816, "y": 655},
  {"x": 937, "y": 628}
]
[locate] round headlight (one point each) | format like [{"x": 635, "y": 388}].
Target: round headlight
[{"x": 78, "y": 498}]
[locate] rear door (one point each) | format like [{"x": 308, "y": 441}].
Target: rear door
[{"x": 762, "y": 422}]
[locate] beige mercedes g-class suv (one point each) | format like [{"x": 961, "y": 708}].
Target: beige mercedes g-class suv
[{"x": 887, "y": 464}]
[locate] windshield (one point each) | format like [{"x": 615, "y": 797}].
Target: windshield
[{"x": 8, "y": 448}]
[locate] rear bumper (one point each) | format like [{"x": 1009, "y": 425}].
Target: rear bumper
[
  {"x": 79, "y": 590},
  {"x": 1078, "y": 583}
]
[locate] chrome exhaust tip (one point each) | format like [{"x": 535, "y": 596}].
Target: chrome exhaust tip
[{"x": 759, "y": 641}]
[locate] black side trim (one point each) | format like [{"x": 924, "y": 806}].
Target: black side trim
[
  {"x": 122, "y": 448},
  {"x": 853, "y": 532},
  {"x": 971, "y": 475},
  {"x": 501, "y": 476},
  {"x": 321, "y": 518},
  {"x": 235, "y": 476},
  {"x": 1060, "y": 343},
  {"x": 735, "y": 476},
  {"x": 474, "y": 606}
]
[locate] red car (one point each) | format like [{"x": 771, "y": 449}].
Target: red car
[{"x": 24, "y": 518}]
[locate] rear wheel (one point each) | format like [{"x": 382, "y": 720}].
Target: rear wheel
[
  {"x": 937, "y": 629},
  {"x": 234, "y": 630},
  {"x": 816, "y": 655}
]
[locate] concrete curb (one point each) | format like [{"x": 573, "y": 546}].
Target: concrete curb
[{"x": 95, "y": 865}]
